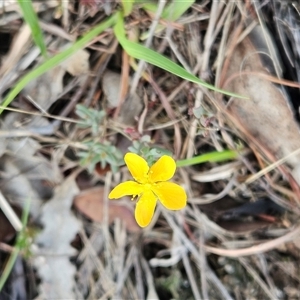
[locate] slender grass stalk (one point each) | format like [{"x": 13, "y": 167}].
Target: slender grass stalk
[
  {"x": 18, "y": 247},
  {"x": 208, "y": 157},
  {"x": 31, "y": 19}
]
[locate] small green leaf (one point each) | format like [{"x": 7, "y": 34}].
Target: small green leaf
[{"x": 103, "y": 153}]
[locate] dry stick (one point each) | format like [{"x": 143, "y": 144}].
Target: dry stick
[
  {"x": 141, "y": 65},
  {"x": 257, "y": 278},
  {"x": 271, "y": 49},
  {"x": 85, "y": 260},
  {"x": 186, "y": 241},
  {"x": 208, "y": 42},
  {"x": 220, "y": 24},
  {"x": 105, "y": 282},
  {"x": 247, "y": 31},
  {"x": 221, "y": 72},
  {"x": 203, "y": 266},
  {"x": 175, "y": 92},
  {"x": 131, "y": 289},
  {"x": 19, "y": 47},
  {"x": 138, "y": 277},
  {"x": 221, "y": 52},
  {"x": 252, "y": 272},
  {"x": 6, "y": 248},
  {"x": 39, "y": 114},
  {"x": 120, "y": 239},
  {"x": 10, "y": 214},
  {"x": 209, "y": 198},
  {"x": 193, "y": 128},
  {"x": 106, "y": 295},
  {"x": 271, "y": 167},
  {"x": 282, "y": 190},
  {"x": 80, "y": 91},
  {"x": 168, "y": 23},
  {"x": 124, "y": 83},
  {"x": 225, "y": 67},
  {"x": 230, "y": 51},
  {"x": 208, "y": 226},
  {"x": 100, "y": 68},
  {"x": 178, "y": 55},
  {"x": 65, "y": 15},
  {"x": 143, "y": 115},
  {"x": 57, "y": 31},
  {"x": 266, "y": 186},
  {"x": 293, "y": 207},
  {"x": 170, "y": 113},
  {"x": 152, "y": 294},
  {"x": 188, "y": 148},
  {"x": 55, "y": 124},
  {"x": 263, "y": 266},
  {"x": 254, "y": 144},
  {"x": 128, "y": 265},
  {"x": 105, "y": 225},
  {"x": 162, "y": 47},
  {"x": 263, "y": 247},
  {"x": 190, "y": 276},
  {"x": 213, "y": 277}
]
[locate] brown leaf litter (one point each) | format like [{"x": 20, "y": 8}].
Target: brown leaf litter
[{"x": 238, "y": 237}]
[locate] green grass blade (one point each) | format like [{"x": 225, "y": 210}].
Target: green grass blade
[
  {"x": 56, "y": 60},
  {"x": 141, "y": 52},
  {"x": 171, "y": 13},
  {"x": 9, "y": 266},
  {"x": 208, "y": 157},
  {"x": 127, "y": 7},
  {"x": 176, "y": 9},
  {"x": 31, "y": 19}
]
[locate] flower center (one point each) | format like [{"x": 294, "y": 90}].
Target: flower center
[{"x": 147, "y": 186}]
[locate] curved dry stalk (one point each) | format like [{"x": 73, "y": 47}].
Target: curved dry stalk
[
  {"x": 262, "y": 75},
  {"x": 263, "y": 247}
]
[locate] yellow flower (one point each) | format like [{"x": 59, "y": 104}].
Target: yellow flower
[{"x": 150, "y": 184}]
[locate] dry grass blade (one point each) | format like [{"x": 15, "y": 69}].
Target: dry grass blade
[
  {"x": 81, "y": 111},
  {"x": 10, "y": 214}
]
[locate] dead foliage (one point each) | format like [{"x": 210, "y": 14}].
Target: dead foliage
[{"x": 238, "y": 238}]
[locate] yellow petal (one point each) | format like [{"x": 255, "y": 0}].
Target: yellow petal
[
  {"x": 125, "y": 189},
  {"x": 171, "y": 195},
  {"x": 163, "y": 169},
  {"x": 137, "y": 166},
  {"x": 144, "y": 209}
]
